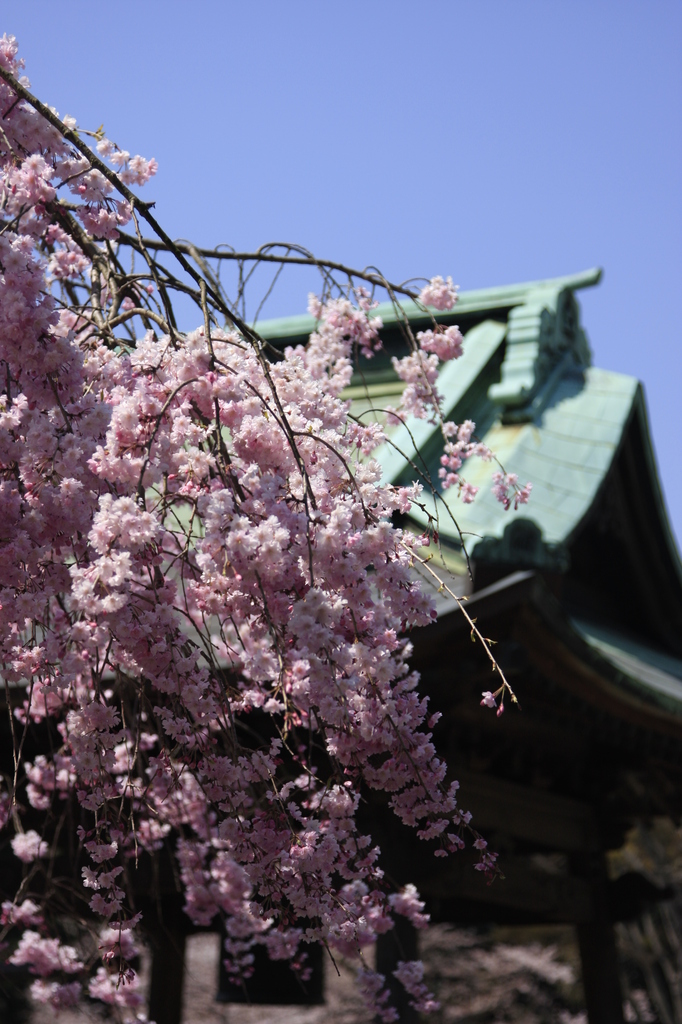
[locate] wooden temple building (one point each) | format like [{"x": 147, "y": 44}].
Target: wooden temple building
[{"x": 581, "y": 589}]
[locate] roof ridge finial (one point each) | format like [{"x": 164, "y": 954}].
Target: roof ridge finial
[{"x": 543, "y": 336}]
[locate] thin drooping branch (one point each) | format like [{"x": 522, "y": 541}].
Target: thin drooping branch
[
  {"x": 264, "y": 255},
  {"x": 135, "y": 202}
]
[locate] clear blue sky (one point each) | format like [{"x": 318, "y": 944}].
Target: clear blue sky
[{"x": 494, "y": 140}]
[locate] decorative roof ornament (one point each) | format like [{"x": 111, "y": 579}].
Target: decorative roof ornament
[
  {"x": 544, "y": 339},
  {"x": 523, "y": 547}
]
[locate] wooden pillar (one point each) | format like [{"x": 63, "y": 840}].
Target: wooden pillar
[
  {"x": 401, "y": 943},
  {"x": 598, "y": 953},
  {"x": 167, "y": 938},
  {"x": 601, "y": 980}
]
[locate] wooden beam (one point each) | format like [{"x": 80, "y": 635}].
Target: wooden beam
[
  {"x": 533, "y": 815},
  {"x": 538, "y": 895}
]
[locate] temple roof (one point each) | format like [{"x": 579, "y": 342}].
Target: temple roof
[
  {"x": 526, "y": 379},
  {"x": 580, "y": 434}
]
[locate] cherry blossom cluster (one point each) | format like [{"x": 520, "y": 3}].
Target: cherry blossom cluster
[
  {"x": 507, "y": 491},
  {"x": 439, "y": 294},
  {"x": 204, "y": 597},
  {"x": 455, "y": 451}
]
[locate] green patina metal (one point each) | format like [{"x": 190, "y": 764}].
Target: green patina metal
[
  {"x": 577, "y": 432},
  {"x": 291, "y": 329},
  {"x": 526, "y": 380}
]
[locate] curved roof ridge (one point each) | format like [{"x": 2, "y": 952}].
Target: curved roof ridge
[{"x": 297, "y": 327}]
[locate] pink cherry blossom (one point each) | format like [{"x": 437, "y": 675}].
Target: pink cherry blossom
[
  {"x": 411, "y": 975},
  {"x": 27, "y": 912},
  {"x": 43, "y": 956},
  {"x": 446, "y": 342},
  {"x": 60, "y": 997},
  {"x": 507, "y": 491},
  {"x": 195, "y": 537},
  {"x": 439, "y": 294},
  {"x": 28, "y": 846}
]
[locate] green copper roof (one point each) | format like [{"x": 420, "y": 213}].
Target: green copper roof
[
  {"x": 578, "y": 433},
  {"x": 525, "y": 379},
  {"x": 295, "y": 328},
  {"x": 565, "y": 452},
  {"x": 550, "y": 417}
]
